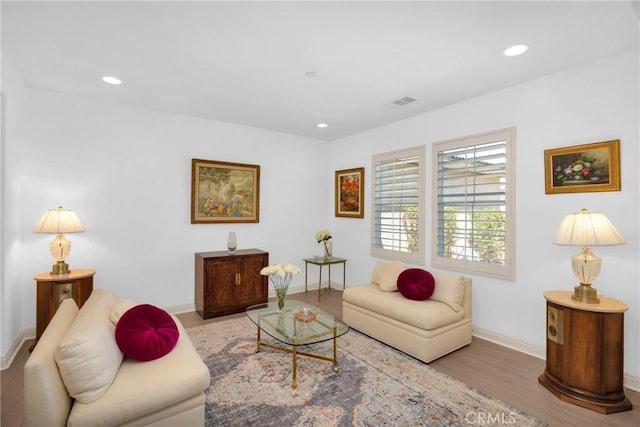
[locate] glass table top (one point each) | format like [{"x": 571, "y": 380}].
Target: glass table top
[
  {"x": 283, "y": 325},
  {"x": 321, "y": 260}
]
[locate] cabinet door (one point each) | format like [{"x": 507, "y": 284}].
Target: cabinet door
[
  {"x": 250, "y": 288},
  {"x": 219, "y": 280}
]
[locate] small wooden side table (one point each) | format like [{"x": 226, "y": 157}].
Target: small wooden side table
[
  {"x": 585, "y": 348},
  {"x": 52, "y": 289},
  {"x": 321, "y": 262}
]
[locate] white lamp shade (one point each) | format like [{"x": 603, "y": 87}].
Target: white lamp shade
[
  {"x": 587, "y": 229},
  {"x": 59, "y": 221}
]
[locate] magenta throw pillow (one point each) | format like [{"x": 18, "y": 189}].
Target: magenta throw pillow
[
  {"x": 416, "y": 284},
  {"x": 146, "y": 332}
]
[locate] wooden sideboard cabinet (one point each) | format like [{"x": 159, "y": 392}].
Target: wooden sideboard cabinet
[
  {"x": 585, "y": 346},
  {"x": 53, "y": 288},
  {"x": 227, "y": 284}
]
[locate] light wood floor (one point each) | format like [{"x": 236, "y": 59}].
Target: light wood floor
[{"x": 492, "y": 369}]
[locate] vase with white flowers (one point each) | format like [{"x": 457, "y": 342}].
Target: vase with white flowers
[
  {"x": 323, "y": 236},
  {"x": 280, "y": 276}
]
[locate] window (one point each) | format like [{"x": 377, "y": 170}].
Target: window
[
  {"x": 473, "y": 204},
  {"x": 398, "y": 205}
]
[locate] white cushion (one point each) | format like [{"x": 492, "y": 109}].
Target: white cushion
[
  {"x": 386, "y": 275},
  {"x": 46, "y": 400},
  {"x": 143, "y": 388},
  {"x": 427, "y": 315},
  {"x": 88, "y": 356},
  {"x": 120, "y": 308},
  {"x": 449, "y": 290},
  {"x": 375, "y": 276}
]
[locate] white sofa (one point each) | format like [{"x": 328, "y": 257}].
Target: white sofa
[
  {"x": 167, "y": 391},
  {"x": 425, "y": 329}
]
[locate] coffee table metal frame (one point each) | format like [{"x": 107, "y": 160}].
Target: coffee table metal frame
[{"x": 282, "y": 326}]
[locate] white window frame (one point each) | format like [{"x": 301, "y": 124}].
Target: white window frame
[
  {"x": 506, "y": 270},
  {"x": 418, "y": 256}
]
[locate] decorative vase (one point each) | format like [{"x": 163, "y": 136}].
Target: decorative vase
[
  {"x": 281, "y": 293},
  {"x": 232, "y": 242},
  {"x": 328, "y": 249}
]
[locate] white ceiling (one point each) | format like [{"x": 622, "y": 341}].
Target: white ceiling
[{"x": 246, "y": 62}]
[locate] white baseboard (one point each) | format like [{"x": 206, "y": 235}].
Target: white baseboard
[
  {"x": 630, "y": 381},
  {"x": 512, "y": 343},
  {"x": 179, "y": 309},
  {"x": 296, "y": 289},
  {"x": 25, "y": 334}
]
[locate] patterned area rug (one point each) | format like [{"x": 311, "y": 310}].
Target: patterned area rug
[{"x": 376, "y": 385}]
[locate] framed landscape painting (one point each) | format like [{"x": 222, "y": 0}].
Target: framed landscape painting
[
  {"x": 350, "y": 193},
  {"x": 583, "y": 168},
  {"x": 224, "y": 192}
]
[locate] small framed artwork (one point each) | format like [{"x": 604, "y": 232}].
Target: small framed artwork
[
  {"x": 350, "y": 193},
  {"x": 583, "y": 168},
  {"x": 224, "y": 192}
]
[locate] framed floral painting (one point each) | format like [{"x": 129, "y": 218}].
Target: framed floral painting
[
  {"x": 583, "y": 168},
  {"x": 350, "y": 193},
  {"x": 224, "y": 192}
]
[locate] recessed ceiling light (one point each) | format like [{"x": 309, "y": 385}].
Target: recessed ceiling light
[
  {"x": 516, "y": 50},
  {"x": 111, "y": 80},
  {"x": 322, "y": 125}
]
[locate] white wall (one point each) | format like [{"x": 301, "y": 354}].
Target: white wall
[
  {"x": 597, "y": 102},
  {"x": 10, "y": 207},
  {"x": 126, "y": 172}
]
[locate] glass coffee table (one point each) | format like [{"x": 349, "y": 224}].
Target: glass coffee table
[{"x": 286, "y": 326}]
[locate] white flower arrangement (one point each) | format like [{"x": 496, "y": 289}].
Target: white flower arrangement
[
  {"x": 323, "y": 235},
  {"x": 280, "y": 275}
]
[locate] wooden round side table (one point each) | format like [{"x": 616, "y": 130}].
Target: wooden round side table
[
  {"x": 585, "y": 348},
  {"x": 53, "y": 288}
]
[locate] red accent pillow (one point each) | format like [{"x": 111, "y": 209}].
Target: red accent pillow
[
  {"x": 416, "y": 284},
  {"x": 146, "y": 332}
]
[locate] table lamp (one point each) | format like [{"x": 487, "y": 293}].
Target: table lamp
[
  {"x": 59, "y": 221},
  {"x": 587, "y": 229}
]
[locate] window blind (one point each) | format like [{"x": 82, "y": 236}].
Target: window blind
[
  {"x": 397, "y": 184},
  {"x": 471, "y": 208}
]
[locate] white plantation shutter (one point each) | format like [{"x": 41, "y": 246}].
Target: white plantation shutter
[
  {"x": 398, "y": 216},
  {"x": 473, "y": 211}
]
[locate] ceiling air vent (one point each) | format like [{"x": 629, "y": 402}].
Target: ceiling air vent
[{"x": 404, "y": 101}]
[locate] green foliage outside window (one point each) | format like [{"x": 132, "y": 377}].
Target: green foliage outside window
[
  {"x": 410, "y": 223},
  {"x": 488, "y": 236},
  {"x": 450, "y": 231}
]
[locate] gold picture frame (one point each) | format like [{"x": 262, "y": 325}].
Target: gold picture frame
[
  {"x": 349, "y": 190},
  {"x": 583, "y": 168},
  {"x": 223, "y": 192}
]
